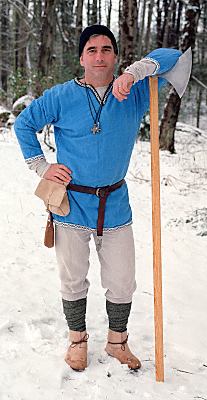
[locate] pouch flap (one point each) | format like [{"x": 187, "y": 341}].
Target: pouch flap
[{"x": 47, "y": 188}]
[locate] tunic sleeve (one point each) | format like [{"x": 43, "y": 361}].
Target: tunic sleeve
[
  {"x": 42, "y": 111},
  {"x": 165, "y": 59}
]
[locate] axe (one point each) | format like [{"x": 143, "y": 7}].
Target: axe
[{"x": 178, "y": 76}]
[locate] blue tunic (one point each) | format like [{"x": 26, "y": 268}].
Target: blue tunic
[{"x": 95, "y": 160}]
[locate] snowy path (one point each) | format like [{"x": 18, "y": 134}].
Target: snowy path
[{"x": 33, "y": 332}]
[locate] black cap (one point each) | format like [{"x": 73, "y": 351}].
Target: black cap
[{"x": 96, "y": 30}]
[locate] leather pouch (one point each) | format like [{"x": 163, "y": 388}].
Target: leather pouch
[{"x": 54, "y": 196}]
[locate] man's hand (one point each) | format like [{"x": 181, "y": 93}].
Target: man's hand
[
  {"x": 58, "y": 173},
  {"x": 122, "y": 86}
]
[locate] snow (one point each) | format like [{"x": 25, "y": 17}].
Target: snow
[
  {"x": 33, "y": 331},
  {"x": 3, "y": 110},
  {"x": 193, "y": 8},
  {"x": 25, "y": 100}
]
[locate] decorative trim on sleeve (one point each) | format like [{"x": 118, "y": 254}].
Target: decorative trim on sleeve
[
  {"x": 155, "y": 62},
  {"x": 35, "y": 158}
]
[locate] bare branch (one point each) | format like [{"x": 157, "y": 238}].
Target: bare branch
[
  {"x": 61, "y": 29},
  {"x": 198, "y": 81}
]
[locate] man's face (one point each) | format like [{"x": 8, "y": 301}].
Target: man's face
[{"x": 98, "y": 57}]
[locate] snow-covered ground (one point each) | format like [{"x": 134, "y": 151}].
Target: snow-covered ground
[{"x": 33, "y": 331}]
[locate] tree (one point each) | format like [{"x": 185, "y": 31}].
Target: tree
[
  {"x": 4, "y": 44},
  {"x": 39, "y": 39},
  {"x": 22, "y": 36},
  {"x": 47, "y": 38},
  {"x": 128, "y": 32},
  {"x": 108, "y": 14},
  {"x": 202, "y": 41},
  {"x": 79, "y": 21},
  {"x": 94, "y": 13},
  {"x": 172, "y": 107},
  {"x": 148, "y": 31},
  {"x": 141, "y": 31}
]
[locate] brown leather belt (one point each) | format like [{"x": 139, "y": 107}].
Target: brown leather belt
[{"x": 103, "y": 193}]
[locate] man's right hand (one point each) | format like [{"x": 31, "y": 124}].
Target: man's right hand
[{"x": 58, "y": 173}]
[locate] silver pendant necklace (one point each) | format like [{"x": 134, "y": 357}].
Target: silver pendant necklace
[
  {"x": 94, "y": 114},
  {"x": 96, "y": 128}
]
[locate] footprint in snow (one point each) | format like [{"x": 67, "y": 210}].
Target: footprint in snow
[
  {"x": 43, "y": 335},
  {"x": 10, "y": 327},
  {"x": 43, "y": 328}
]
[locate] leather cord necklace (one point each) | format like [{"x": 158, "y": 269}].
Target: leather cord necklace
[
  {"x": 96, "y": 114},
  {"x": 96, "y": 119}
]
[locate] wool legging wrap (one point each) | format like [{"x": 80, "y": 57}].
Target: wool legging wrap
[
  {"x": 118, "y": 315},
  {"x": 75, "y": 314}
]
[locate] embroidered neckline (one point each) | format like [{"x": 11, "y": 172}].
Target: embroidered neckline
[{"x": 108, "y": 90}]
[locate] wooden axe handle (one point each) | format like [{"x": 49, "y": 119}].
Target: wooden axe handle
[{"x": 156, "y": 228}]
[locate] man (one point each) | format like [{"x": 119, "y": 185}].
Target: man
[{"x": 96, "y": 119}]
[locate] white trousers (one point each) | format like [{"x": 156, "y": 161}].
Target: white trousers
[{"x": 116, "y": 256}]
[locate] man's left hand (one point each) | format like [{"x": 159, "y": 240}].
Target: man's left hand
[{"x": 122, "y": 86}]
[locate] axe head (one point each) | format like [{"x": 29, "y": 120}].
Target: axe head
[{"x": 179, "y": 75}]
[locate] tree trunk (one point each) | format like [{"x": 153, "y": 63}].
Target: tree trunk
[
  {"x": 168, "y": 24},
  {"x": 159, "y": 24},
  {"x": 108, "y": 17},
  {"x": 88, "y": 12},
  {"x": 202, "y": 66},
  {"x": 198, "y": 106},
  {"x": 94, "y": 13},
  {"x": 22, "y": 36},
  {"x": 23, "y": 39},
  {"x": 192, "y": 14},
  {"x": 47, "y": 37},
  {"x": 177, "y": 23},
  {"x": 128, "y": 33},
  {"x": 149, "y": 21},
  {"x": 65, "y": 18},
  {"x": 79, "y": 21},
  {"x": 120, "y": 21},
  {"x": 168, "y": 122},
  {"x": 166, "y": 5},
  {"x": 172, "y": 108},
  {"x": 37, "y": 9},
  {"x": 99, "y": 11},
  {"x": 4, "y": 45},
  {"x": 141, "y": 31}
]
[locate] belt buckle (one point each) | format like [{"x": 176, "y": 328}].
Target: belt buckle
[{"x": 102, "y": 191}]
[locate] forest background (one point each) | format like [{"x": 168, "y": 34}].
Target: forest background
[{"x": 39, "y": 48}]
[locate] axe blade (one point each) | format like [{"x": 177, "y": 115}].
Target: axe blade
[{"x": 179, "y": 75}]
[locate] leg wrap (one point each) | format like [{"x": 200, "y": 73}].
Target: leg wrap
[
  {"x": 75, "y": 314},
  {"x": 118, "y": 315}
]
